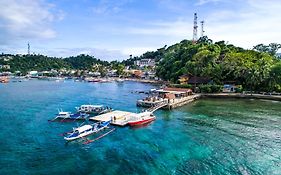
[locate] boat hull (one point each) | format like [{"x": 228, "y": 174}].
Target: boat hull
[
  {"x": 80, "y": 136},
  {"x": 87, "y": 133},
  {"x": 141, "y": 122}
]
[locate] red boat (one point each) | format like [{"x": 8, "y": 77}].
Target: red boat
[{"x": 142, "y": 118}]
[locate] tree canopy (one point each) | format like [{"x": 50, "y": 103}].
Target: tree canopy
[{"x": 221, "y": 62}]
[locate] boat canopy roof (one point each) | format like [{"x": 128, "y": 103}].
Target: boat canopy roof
[
  {"x": 63, "y": 113},
  {"x": 91, "y": 106},
  {"x": 146, "y": 113},
  {"x": 83, "y": 128}
]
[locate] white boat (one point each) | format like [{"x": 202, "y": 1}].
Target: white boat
[
  {"x": 93, "y": 109},
  {"x": 119, "y": 80},
  {"x": 86, "y": 130},
  {"x": 142, "y": 118},
  {"x": 69, "y": 115}
]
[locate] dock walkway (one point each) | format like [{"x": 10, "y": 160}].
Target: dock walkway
[
  {"x": 158, "y": 106},
  {"x": 120, "y": 118}
]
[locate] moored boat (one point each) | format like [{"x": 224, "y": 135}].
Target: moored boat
[
  {"x": 94, "y": 109},
  {"x": 4, "y": 80},
  {"x": 142, "y": 118},
  {"x": 86, "y": 130},
  {"x": 68, "y": 115}
]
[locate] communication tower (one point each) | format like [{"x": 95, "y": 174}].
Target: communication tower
[{"x": 195, "y": 28}]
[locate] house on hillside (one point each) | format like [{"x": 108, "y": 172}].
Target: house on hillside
[
  {"x": 149, "y": 75},
  {"x": 145, "y": 62},
  {"x": 227, "y": 88},
  {"x": 192, "y": 80},
  {"x": 195, "y": 80},
  {"x": 183, "y": 79}
]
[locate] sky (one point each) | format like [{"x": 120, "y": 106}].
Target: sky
[{"x": 115, "y": 29}]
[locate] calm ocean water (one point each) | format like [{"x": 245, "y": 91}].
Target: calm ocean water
[{"x": 205, "y": 137}]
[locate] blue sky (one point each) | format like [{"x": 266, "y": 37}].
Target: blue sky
[{"x": 114, "y": 29}]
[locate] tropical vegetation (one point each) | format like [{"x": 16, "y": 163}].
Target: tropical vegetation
[{"x": 257, "y": 69}]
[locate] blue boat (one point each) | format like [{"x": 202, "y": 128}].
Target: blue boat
[
  {"x": 94, "y": 109},
  {"x": 86, "y": 130},
  {"x": 70, "y": 116}
]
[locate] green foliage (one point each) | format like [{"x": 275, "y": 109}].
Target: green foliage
[
  {"x": 157, "y": 55},
  {"x": 210, "y": 88},
  {"x": 239, "y": 89},
  {"x": 36, "y": 62},
  {"x": 84, "y": 62},
  {"x": 25, "y": 63},
  {"x": 271, "y": 49},
  {"x": 181, "y": 85},
  {"x": 220, "y": 62}
]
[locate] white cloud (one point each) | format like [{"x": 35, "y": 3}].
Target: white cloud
[
  {"x": 136, "y": 51},
  {"x": 104, "y": 54},
  {"x": 258, "y": 22},
  {"x": 110, "y": 6},
  {"x": 27, "y": 19},
  {"x": 178, "y": 28},
  {"x": 203, "y": 2}
]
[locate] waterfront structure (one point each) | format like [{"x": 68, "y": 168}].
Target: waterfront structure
[
  {"x": 4, "y": 79},
  {"x": 33, "y": 74},
  {"x": 149, "y": 75},
  {"x": 229, "y": 88},
  {"x": 5, "y": 67},
  {"x": 168, "y": 98},
  {"x": 120, "y": 118}
]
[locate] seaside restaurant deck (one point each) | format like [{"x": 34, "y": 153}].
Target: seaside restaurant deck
[{"x": 168, "y": 95}]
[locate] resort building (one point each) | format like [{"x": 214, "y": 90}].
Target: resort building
[
  {"x": 192, "y": 80},
  {"x": 145, "y": 62},
  {"x": 183, "y": 79},
  {"x": 149, "y": 75},
  {"x": 172, "y": 97},
  {"x": 229, "y": 88},
  {"x": 33, "y": 73},
  {"x": 5, "y": 67}
]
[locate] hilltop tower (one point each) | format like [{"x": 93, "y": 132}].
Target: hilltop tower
[
  {"x": 195, "y": 28},
  {"x": 28, "y": 48},
  {"x": 202, "y": 28}
]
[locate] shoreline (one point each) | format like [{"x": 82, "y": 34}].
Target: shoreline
[{"x": 241, "y": 96}]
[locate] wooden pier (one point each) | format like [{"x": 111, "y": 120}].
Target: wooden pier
[
  {"x": 120, "y": 118},
  {"x": 174, "y": 103}
]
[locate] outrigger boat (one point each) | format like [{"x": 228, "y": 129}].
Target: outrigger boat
[
  {"x": 94, "y": 109},
  {"x": 86, "y": 130},
  {"x": 69, "y": 116},
  {"x": 142, "y": 118}
]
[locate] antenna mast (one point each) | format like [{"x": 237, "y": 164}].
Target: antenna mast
[
  {"x": 195, "y": 28},
  {"x": 28, "y": 48},
  {"x": 202, "y": 28}
]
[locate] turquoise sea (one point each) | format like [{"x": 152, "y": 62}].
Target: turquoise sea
[{"x": 208, "y": 136}]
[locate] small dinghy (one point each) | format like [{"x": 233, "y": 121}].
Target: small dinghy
[{"x": 86, "y": 130}]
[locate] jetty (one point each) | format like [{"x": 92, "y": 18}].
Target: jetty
[{"x": 119, "y": 118}]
